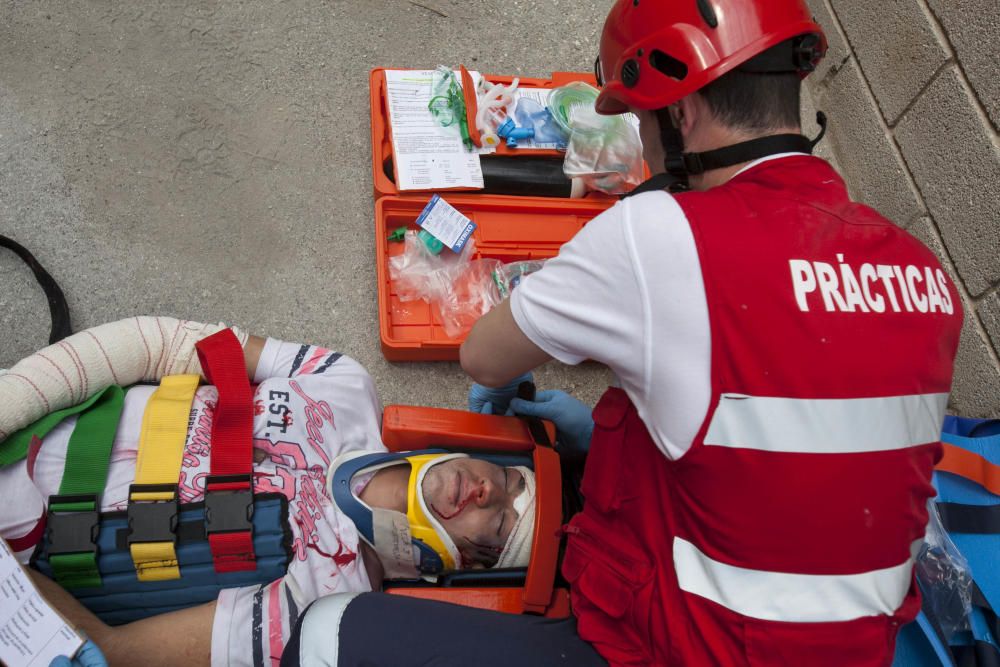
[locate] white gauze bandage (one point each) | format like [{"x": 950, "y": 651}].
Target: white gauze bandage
[
  {"x": 517, "y": 551},
  {"x": 123, "y": 353}
]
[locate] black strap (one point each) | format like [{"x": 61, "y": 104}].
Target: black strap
[
  {"x": 699, "y": 163},
  {"x": 979, "y": 600},
  {"x": 932, "y": 619},
  {"x": 976, "y": 519},
  {"x": 526, "y": 392},
  {"x": 58, "y": 308},
  {"x": 653, "y": 184},
  {"x": 980, "y": 654},
  {"x": 673, "y": 146},
  {"x": 727, "y": 156}
]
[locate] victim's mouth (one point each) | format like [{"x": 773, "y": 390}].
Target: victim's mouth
[{"x": 460, "y": 494}]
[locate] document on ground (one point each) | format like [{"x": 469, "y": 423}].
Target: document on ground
[
  {"x": 427, "y": 156},
  {"x": 31, "y": 632}
]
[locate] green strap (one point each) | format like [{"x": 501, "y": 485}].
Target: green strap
[
  {"x": 15, "y": 448},
  {"x": 76, "y": 570},
  {"x": 85, "y": 474}
]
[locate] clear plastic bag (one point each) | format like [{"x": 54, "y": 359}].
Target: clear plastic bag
[
  {"x": 463, "y": 296},
  {"x": 944, "y": 576},
  {"x": 419, "y": 273},
  {"x": 508, "y": 276},
  {"x": 459, "y": 288},
  {"x": 605, "y": 151}
]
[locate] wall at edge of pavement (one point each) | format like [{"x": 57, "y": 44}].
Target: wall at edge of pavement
[{"x": 912, "y": 91}]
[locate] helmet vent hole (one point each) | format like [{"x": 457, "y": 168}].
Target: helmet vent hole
[
  {"x": 668, "y": 65},
  {"x": 708, "y": 13},
  {"x": 630, "y": 73}
]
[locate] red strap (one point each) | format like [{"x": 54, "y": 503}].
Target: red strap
[
  {"x": 29, "y": 539},
  {"x": 33, "y": 536},
  {"x": 233, "y": 552},
  {"x": 223, "y": 363}
]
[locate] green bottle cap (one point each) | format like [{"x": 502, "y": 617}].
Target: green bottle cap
[{"x": 433, "y": 245}]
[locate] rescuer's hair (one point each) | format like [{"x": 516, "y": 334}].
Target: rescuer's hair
[
  {"x": 755, "y": 102},
  {"x": 751, "y": 102}
]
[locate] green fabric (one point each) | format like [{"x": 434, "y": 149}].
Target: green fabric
[
  {"x": 76, "y": 570},
  {"x": 15, "y": 448},
  {"x": 89, "y": 450},
  {"x": 85, "y": 473}
]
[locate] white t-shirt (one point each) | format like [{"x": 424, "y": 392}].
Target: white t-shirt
[
  {"x": 311, "y": 405},
  {"x": 627, "y": 291}
]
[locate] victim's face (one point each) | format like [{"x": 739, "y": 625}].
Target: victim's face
[{"x": 474, "y": 501}]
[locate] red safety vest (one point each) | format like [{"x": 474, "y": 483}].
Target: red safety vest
[{"x": 785, "y": 535}]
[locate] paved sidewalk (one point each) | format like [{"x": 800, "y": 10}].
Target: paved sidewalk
[{"x": 211, "y": 160}]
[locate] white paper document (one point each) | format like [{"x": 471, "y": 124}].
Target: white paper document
[
  {"x": 428, "y": 156},
  {"x": 31, "y": 632}
]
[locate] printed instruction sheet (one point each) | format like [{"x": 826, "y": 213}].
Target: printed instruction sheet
[
  {"x": 31, "y": 632},
  {"x": 427, "y": 156}
]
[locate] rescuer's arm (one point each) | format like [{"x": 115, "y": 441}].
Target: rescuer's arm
[
  {"x": 178, "y": 638},
  {"x": 497, "y": 351},
  {"x": 123, "y": 352},
  {"x": 584, "y": 303}
]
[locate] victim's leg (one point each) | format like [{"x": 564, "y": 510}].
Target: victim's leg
[
  {"x": 179, "y": 638},
  {"x": 381, "y": 629}
]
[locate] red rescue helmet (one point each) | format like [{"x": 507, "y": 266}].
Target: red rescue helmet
[{"x": 654, "y": 52}]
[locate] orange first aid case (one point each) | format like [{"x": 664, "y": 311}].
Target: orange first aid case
[
  {"x": 508, "y": 228},
  {"x": 407, "y": 428}
]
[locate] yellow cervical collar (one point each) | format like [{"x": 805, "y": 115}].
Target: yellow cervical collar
[{"x": 423, "y": 525}]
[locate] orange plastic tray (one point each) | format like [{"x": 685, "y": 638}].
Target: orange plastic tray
[
  {"x": 412, "y": 428},
  {"x": 382, "y": 138},
  {"x": 508, "y": 229}
]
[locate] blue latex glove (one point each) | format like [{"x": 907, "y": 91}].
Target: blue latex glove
[
  {"x": 88, "y": 656},
  {"x": 494, "y": 401},
  {"x": 571, "y": 417}
]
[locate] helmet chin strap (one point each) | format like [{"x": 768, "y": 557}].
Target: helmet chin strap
[{"x": 680, "y": 164}]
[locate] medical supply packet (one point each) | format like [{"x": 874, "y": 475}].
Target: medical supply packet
[{"x": 446, "y": 224}]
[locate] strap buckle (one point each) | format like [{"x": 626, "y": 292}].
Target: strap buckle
[
  {"x": 152, "y": 520},
  {"x": 228, "y": 511},
  {"x": 693, "y": 164},
  {"x": 72, "y": 531}
]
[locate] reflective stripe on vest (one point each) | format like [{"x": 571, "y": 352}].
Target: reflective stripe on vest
[
  {"x": 826, "y": 426},
  {"x": 229, "y": 487},
  {"x": 797, "y": 598},
  {"x": 152, "y": 507},
  {"x": 810, "y": 426}
]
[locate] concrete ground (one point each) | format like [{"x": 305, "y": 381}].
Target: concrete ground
[{"x": 210, "y": 160}]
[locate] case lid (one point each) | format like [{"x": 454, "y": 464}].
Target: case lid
[{"x": 382, "y": 137}]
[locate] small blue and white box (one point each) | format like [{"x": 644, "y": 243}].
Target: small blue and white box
[{"x": 446, "y": 223}]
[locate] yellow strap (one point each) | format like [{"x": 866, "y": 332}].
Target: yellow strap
[{"x": 161, "y": 449}]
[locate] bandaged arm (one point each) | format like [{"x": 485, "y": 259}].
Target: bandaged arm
[{"x": 139, "y": 349}]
